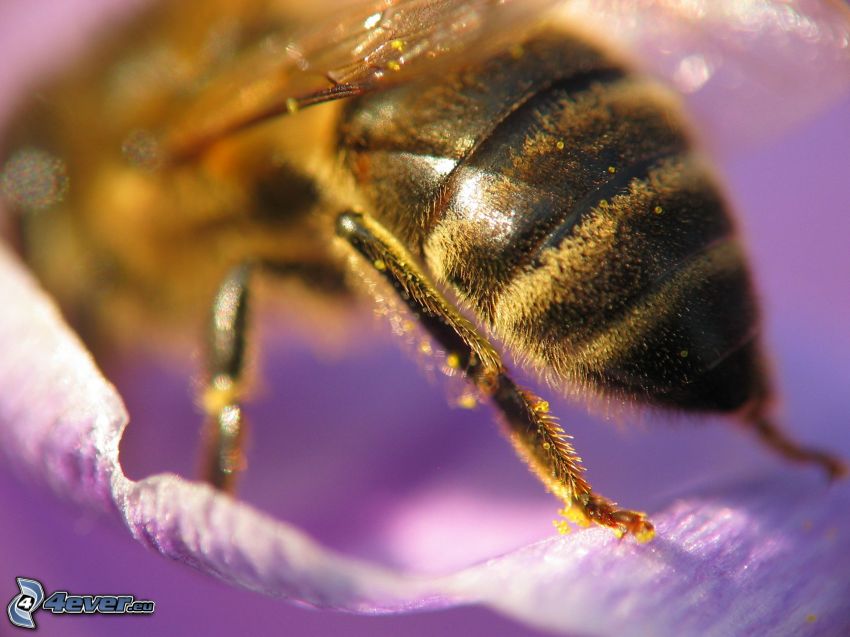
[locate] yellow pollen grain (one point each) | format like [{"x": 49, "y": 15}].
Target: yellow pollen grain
[
  {"x": 467, "y": 401},
  {"x": 547, "y": 446},
  {"x": 563, "y": 527},
  {"x": 658, "y": 210},
  {"x": 398, "y": 45},
  {"x": 541, "y": 407},
  {"x": 645, "y": 536},
  {"x": 453, "y": 361},
  {"x": 291, "y": 105},
  {"x": 683, "y": 353},
  {"x": 379, "y": 265},
  {"x": 392, "y": 65},
  {"x": 408, "y": 326},
  {"x": 218, "y": 396},
  {"x": 612, "y": 170},
  {"x": 425, "y": 347},
  {"x": 559, "y": 145},
  {"x": 576, "y": 515}
]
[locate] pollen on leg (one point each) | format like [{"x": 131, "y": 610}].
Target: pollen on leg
[
  {"x": 541, "y": 407},
  {"x": 467, "y": 401},
  {"x": 563, "y": 527},
  {"x": 575, "y": 515},
  {"x": 220, "y": 393}
]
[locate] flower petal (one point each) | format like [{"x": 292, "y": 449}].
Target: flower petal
[
  {"x": 63, "y": 423},
  {"x": 748, "y": 69},
  {"x": 728, "y": 561},
  {"x": 764, "y": 557}
]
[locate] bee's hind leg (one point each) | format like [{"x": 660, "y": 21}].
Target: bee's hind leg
[
  {"x": 225, "y": 426},
  {"x": 535, "y": 434},
  {"x": 775, "y": 437}
]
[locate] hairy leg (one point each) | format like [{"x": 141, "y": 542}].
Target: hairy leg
[{"x": 534, "y": 432}]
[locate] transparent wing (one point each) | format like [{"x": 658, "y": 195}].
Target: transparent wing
[
  {"x": 364, "y": 45},
  {"x": 748, "y": 69}
]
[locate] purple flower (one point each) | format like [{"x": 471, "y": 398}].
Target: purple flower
[{"x": 366, "y": 494}]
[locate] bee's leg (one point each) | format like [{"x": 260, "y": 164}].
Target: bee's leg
[
  {"x": 774, "y": 437},
  {"x": 535, "y": 433},
  {"x": 225, "y": 427}
]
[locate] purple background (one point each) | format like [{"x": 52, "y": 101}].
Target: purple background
[{"x": 363, "y": 452}]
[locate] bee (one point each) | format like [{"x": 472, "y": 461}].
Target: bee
[{"x": 483, "y": 158}]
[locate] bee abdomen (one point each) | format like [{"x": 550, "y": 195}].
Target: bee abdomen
[
  {"x": 561, "y": 201},
  {"x": 541, "y": 172},
  {"x": 684, "y": 338},
  {"x": 648, "y": 296}
]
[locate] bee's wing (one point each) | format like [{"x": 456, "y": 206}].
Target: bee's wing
[
  {"x": 383, "y": 43},
  {"x": 748, "y": 69},
  {"x": 364, "y": 45}
]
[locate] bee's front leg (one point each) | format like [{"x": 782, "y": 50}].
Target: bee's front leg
[
  {"x": 225, "y": 426},
  {"x": 535, "y": 434}
]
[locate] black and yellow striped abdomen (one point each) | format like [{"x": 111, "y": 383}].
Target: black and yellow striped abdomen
[{"x": 556, "y": 193}]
